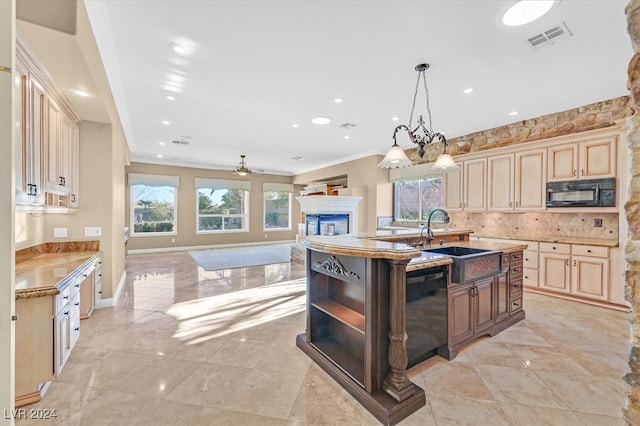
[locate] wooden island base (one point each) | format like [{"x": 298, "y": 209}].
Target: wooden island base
[{"x": 381, "y": 405}]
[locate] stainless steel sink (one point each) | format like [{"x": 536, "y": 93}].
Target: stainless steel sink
[{"x": 470, "y": 263}]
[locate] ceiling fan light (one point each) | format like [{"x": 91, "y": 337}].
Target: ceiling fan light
[
  {"x": 445, "y": 163},
  {"x": 395, "y": 158}
]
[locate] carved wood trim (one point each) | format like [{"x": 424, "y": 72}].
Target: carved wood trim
[{"x": 333, "y": 265}]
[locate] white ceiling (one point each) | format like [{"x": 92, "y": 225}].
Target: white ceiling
[{"x": 254, "y": 68}]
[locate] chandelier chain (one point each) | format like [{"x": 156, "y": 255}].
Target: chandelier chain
[{"x": 424, "y": 77}]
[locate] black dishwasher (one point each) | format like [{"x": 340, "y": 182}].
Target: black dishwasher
[{"x": 426, "y": 312}]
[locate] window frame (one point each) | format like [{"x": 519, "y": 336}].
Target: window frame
[
  {"x": 264, "y": 211},
  {"x": 133, "y": 203},
  {"x": 245, "y": 217},
  {"x": 422, "y": 215}
]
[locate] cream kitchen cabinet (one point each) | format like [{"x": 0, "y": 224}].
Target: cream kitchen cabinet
[
  {"x": 516, "y": 181},
  {"x": 67, "y": 320},
  {"x": 588, "y": 159},
  {"x": 590, "y": 272},
  {"x": 555, "y": 271},
  {"x": 46, "y": 152},
  {"x": 530, "y": 265},
  {"x": 467, "y": 188},
  {"x": 30, "y": 116}
]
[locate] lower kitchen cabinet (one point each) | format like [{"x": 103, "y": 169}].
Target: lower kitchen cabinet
[
  {"x": 34, "y": 347},
  {"x": 590, "y": 272},
  {"x": 555, "y": 272}
]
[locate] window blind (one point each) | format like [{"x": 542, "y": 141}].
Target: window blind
[
  {"x": 153, "y": 180},
  {"x": 278, "y": 187},
  {"x": 204, "y": 183}
]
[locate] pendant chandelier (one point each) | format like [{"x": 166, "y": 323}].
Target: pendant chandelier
[{"x": 420, "y": 135}]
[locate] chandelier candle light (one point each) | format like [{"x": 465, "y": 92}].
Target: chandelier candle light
[{"x": 422, "y": 136}]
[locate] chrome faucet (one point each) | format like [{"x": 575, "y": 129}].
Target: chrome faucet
[{"x": 429, "y": 230}]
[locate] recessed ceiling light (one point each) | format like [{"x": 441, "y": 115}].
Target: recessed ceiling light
[
  {"x": 171, "y": 98},
  {"x": 338, "y": 100},
  {"x": 346, "y": 137},
  {"x": 469, "y": 90},
  {"x": 513, "y": 113},
  {"x": 161, "y": 143},
  {"x": 177, "y": 48},
  {"x": 321, "y": 121},
  {"x": 395, "y": 118},
  {"x": 295, "y": 125},
  {"x": 297, "y": 158},
  {"x": 526, "y": 11},
  {"x": 165, "y": 122},
  {"x": 82, "y": 93},
  {"x": 159, "y": 155}
]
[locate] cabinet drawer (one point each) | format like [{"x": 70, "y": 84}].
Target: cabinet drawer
[
  {"x": 555, "y": 248},
  {"x": 74, "y": 287},
  {"x": 530, "y": 259},
  {"x": 596, "y": 251},
  {"x": 516, "y": 259},
  {"x": 62, "y": 298},
  {"x": 530, "y": 277},
  {"x": 516, "y": 289},
  {"x": 516, "y": 305}
]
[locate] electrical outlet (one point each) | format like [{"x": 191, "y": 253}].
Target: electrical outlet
[
  {"x": 59, "y": 232},
  {"x": 597, "y": 223},
  {"x": 93, "y": 231}
]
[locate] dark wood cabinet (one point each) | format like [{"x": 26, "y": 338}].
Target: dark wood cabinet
[
  {"x": 485, "y": 306},
  {"x": 356, "y": 330}
]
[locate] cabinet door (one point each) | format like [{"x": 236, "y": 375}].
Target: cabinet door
[
  {"x": 500, "y": 182},
  {"x": 475, "y": 184},
  {"x": 52, "y": 171},
  {"x": 460, "y": 314},
  {"x": 20, "y": 106},
  {"x": 590, "y": 277},
  {"x": 502, "y": 296},
  {"x": 37, "y": 133},
  {"x": 87, "y": 295},
  {"x": 530, "y": 182},
  {"x": 453, "y": 190},
  {"x": 563, "y": 162},
  {"x": 554, "y": 272},
  {"x": 73, "y": 160},
  {"x": 62, "y": 338},
  {"x": 597, "y": 158},
  {"x": 484, "y": 305}
]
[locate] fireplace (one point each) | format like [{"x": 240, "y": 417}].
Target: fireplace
[
  {"x": 329, "y": 214},
  {"x": 326, "y": 224}
]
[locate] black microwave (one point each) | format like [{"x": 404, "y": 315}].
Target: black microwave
[{"x": 582, "y": 193}]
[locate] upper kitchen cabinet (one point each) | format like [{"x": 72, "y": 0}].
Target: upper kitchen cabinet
[
  {"x": 587, "y": 159},
  {"x": 467, "y": 188},
  {"x": 516, "y": 181},
  {"x": 47, "y": 147}
]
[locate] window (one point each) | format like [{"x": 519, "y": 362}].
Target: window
[
  {"x": 153, "y": 204},
  {"x": 414, "y": 199},
  {"x": 277, "y": 206},
  {"x": 223, "y": 205}
]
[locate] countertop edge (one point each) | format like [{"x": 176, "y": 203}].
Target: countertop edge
[{"x": 567, "y": 240}]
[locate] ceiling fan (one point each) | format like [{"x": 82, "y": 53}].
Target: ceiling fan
[{"x": 242, "y": 169}]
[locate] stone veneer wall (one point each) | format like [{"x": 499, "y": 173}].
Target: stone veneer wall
[
  {"x": 589, "y": 117},
  {"x": 632, "y": 207}
]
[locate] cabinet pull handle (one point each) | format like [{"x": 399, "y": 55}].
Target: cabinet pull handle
[
  {"x": 582, "y": 171},
  {"x": 526, "y": 276},
  {"x": 77, "y": 303},
  {"x": 100, "y": 275},
  {"x": 100, "y": 292},
  {"x": 76, "y": 285},
  {"x": 65, "y": 297},
  {"x": 517, "y": 204},
  {"x": 77, "y": 329},
  {"x": 588, "y": 250},
  {"x": 84, "y": 275},
  {"x": 66, "y": 312},
  {"x": 575, "y": 262},
  {"x": 510, "y": 203},
  {"x": 574, "y": 173},
  {"x": 566, "y": 262}
]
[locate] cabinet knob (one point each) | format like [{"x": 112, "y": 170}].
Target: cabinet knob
[
  {"x": 65, "y": 297},
  {"x": 582, "y": 172},
  {"x": 100, "y": 292},
  {"x": 566, "y": 262},
  {"x": 575, "y": 262},
  {"x": 588, "y": 250},
  {"x": 77, "y": 329},
  {"x": 553, "y": 247},
  {"x": 76, "y": 285},
  {"x": 77, "y": 303},
  {"x": 66, "y": 312}
]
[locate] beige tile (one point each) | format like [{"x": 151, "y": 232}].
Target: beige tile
[
  {"x": 597, "y": 420},
  {"x": 454, "y": 411},
  {"x": 155, "y": 379},
  {"x": 460, "y": 379},
  {"x": 321, "y": 401},
  {"x": 594, "y": 395},
  {"x": 548, "y": 359},
  {"x": 270, "y": 394},
  {"x": 520, "y": 334},
  {"x": 520, "y": 414},
  {"x": 210, "y": 385},
  {"x": 518, "y": 385},
  {"x": 234, "y": 418},
  {"x": 240, "y": 352}
]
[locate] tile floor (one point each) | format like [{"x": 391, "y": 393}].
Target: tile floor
[{"x": 191, "y": 347}]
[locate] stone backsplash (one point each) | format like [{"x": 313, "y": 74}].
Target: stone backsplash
[{"x": 580, "y": 225}]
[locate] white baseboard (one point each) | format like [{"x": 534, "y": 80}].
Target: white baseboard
[
  {"x": 111, "y": 301},
  {"x": 207, "y": 247}
]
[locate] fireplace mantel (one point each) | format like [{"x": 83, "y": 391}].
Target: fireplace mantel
[{"x": 315, "y": 204}]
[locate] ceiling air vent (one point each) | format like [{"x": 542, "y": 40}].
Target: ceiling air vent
[
  {"x": 549, "y": 36},
  {"x": 348, "y": 125},
  {"x": 180, "y": 142}
]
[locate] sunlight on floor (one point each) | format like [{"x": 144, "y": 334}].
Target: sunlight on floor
[{"x": 210, "y": 317}]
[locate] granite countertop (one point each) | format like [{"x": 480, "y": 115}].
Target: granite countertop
[
  {"x": 553, "y": 239},
  {"x": 40, "y": 275},
  {"x": 367, "y": 245}
]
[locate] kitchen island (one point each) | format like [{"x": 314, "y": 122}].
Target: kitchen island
[{"x": 357, "y": 310}]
